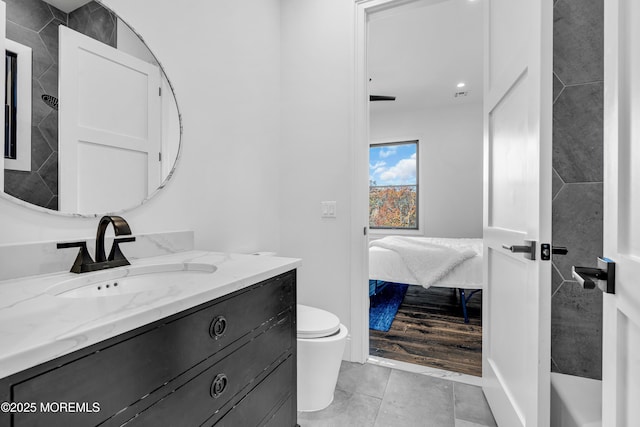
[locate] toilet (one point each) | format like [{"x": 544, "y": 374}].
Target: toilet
[{"x": 321, "y": 342}]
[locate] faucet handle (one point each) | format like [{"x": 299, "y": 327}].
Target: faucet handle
[
  {"x": 82, "y": 260},
  {"x": 116, "y": 254}
]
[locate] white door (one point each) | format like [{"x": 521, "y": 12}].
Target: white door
[
  {"x": 621, "y": 311},
  {"x": 110, "y": 126},
  {"x": 517, "y": 207}
]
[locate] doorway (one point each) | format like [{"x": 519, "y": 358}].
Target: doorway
[{"x": 428, "y": 56}]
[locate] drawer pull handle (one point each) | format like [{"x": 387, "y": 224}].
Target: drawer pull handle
[
  {"x": 219, "y": 385},
  {"x": 218, "y": 327}
]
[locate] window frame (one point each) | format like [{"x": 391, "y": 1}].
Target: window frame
[
  {"x": 22, "y": 162},
  {"x": 402, "y": 230}
]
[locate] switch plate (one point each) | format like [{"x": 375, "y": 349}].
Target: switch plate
[{"x": 328, "y": 209}]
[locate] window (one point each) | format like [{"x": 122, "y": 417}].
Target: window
[
  {"x": 393, "y": 185},
  {"x": 11, "y": 72},
  {"x": 17, "y": 107}
]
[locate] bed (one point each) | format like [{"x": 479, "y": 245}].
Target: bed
[{"x": 427, "y": 261}]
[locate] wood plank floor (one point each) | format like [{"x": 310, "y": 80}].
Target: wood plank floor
[{"x": 429, "y": 330}]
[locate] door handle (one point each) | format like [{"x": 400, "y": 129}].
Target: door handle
[
  {"x": 603, "y": 277},
  {"x": 528, "y": 249}
]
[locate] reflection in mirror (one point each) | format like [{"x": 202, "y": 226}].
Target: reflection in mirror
[{"x": 91, "y": 121}]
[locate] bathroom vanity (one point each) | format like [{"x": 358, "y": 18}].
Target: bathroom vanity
[{"x": 227, "y": 360}]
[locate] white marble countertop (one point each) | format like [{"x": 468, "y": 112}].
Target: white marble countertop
[{"x": 37, "y": 326}]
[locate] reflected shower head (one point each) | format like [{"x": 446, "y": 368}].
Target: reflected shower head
[{"x": 51, "y": 101}]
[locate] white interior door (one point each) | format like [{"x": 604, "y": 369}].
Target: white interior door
[
  {"x": 517, "y": 207},
  {"x": 621, "y": 311},
  {"x": 110, "y": 126}
]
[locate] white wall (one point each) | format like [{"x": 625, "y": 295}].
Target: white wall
[
  {"x": 317, "y": 93},
  {"x": 450, "y": 163},
  {"x": 248, "y": 180},
  {"x": 223, "y": 58}
]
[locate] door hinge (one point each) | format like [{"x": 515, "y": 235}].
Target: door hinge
[
  {"x": 160, "y": 91},
  {"x": 159, "y": 157},
  {"x": 364, "y": 231}
]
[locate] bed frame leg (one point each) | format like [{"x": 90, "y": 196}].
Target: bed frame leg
[{"x": 463, "y": 303}]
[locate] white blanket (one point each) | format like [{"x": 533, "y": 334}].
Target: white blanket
[{"x": 426, "y": 260}]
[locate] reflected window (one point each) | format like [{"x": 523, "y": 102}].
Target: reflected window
[{"x": 10, "y": 103}]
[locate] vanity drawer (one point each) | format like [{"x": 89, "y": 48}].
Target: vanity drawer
[
  {"x": 122, "y": 373},
  {"x": 264, "y": 405},
  {"x": 218, "y": 388}
]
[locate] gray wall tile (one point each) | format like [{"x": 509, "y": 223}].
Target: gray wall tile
[
  {"x": 40, "y": 149},
  {"x": 27, "y": 186},
  {"x": 40, "y": 57},
  {"x": 576, "y": 335},
  {"x": 49, "y": 173},
  {"x": 556, "y": 184},
  {"x": 558, "y": 86},
  {"x": 39, "y": 110},
  {"x": 577, "y": 224},
  {"x": 577, "y": 133},
  {"x": 556, "y": 280},
  {"x": 31, "y": 14},
  {"x": 578, "y": 34},
  {"x": 577, "y": 205}
]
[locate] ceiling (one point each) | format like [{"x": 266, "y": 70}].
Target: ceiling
[
  {"x": 67, "y": 5},
  {"x": 420, "y": 53}
]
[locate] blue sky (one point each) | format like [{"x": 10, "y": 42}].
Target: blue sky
[{"x": 393, "y": 164}]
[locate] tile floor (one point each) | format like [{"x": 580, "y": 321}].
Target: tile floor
[{"x": 376, "y": 396}]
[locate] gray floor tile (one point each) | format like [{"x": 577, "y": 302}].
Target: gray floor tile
[
  {"x": 347, "y": 409},
  {"x": 471, "y": 406},
  {"x": 463, "y": 423},
  {"x": 366, "y": 379},
  {"x": 416, "y": 400}
]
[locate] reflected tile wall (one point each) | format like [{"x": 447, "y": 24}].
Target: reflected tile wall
[
  {"x": 576, "y": 314},
  {"x": 34, "y": 23}
]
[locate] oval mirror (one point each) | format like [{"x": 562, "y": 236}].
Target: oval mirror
[{"x": 91, "y": 121}]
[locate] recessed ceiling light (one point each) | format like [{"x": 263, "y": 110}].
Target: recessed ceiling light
[{"x": 461, "y": 84}]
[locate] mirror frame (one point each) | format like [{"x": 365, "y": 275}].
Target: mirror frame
[{"x": 164, "y": 182}]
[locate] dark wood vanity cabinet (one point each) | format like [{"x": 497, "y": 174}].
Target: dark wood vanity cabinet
[{"x": 228, "y": 362}]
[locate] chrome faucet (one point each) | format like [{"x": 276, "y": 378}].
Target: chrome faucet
[{"x": 84, "y": 263}]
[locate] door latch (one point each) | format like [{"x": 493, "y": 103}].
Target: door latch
[
  {"x": 603, "y": 277},
  {"x": 546, "y": 250},
  {"x": 528, "y": 249}
]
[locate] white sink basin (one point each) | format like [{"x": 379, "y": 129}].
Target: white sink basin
[{"x": 130, "y": 279}]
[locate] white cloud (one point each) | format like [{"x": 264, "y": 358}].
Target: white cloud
[
  {"x": 404, "y": 172},
  {"x": 384, "y": 153},
  {"x": 377, "y": 165},
  {"x": 378, "y": 171}
]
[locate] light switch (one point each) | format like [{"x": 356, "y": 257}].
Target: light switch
[{"x": 328, "y": 209}]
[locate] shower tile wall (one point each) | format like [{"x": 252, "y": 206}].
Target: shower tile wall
[
  {"x": 576, "y": 314},
  {"x": 34, "y": 23}
]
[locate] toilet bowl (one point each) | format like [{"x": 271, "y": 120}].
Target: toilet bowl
[{"x": 321, "y": 342}]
